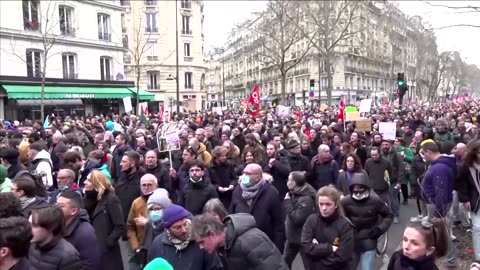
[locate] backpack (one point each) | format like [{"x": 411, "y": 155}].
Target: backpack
[{"x": 40, "y": 189}]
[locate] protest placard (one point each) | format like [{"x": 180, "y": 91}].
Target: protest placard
[
  {"x": 172, "y": 139},
  {"x": 363, "y": 125},
  {"x": 388, "y": 130},
  {"x": 353, "y": 116},
  {"x": 365, "y": 105}
]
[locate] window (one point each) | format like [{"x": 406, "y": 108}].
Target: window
[
  {"x": 186, "y": 25},
  {"x": 186, "y": 4},
  {"x": 68, "y": 63},
  {"x": 150, "y": 2},
  {"x": 124, "y": 28},
  {"x": 34, "y": 63},
  {"x": 151, "y": 19},
  {"x": 103, "y": 21},
  {"x": 186, "y": 48},
  {"x": 66, "y": 20},
  {"x": 125, "y": 2},
  {"x": 30, "y": 14},
  {"x": 106, "y": 68},
  {"x": 188, "y": 80},
  {"x": 153, "y": 77},
  {"x": 152, "y": 54}
]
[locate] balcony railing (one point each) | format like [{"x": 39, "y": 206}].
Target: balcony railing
[
  {"x": 150, "y": 2},
  {"x": 152, "y": 87},
  {"x": 186, "y": 32},
  {"x": 106, "y": 78},
  {"x": 152, "y": 58},
  {"x": 188, "y": 58},
  {"x": 67, "y": 31},
  {"x": 186, "y": 5},
  {"x": 105, "y": 36},
  {"x": 31, "y": 25},
  {"x": 188, "y": 86},
  {"x": 71, "y": 76},
  {"x": 150, "y": 29},
  {"x": 127, "y": 59}
]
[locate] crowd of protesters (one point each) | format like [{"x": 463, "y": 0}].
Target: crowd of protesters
[{"x": 240, "y": 192}]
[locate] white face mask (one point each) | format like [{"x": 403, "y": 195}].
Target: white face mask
[{"x": 360, "y": 197}]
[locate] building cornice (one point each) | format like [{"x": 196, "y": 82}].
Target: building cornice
[
  {"x": 105, "y": 4},
  {"x": 69, "y": 41}
]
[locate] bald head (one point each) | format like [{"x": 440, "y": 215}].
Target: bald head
[
  {"x": 459, "y": 150},
  {"x": 193, "y": 142},
  {"x": 148, "y": 183},
  {"x": 254, "y": 172}
]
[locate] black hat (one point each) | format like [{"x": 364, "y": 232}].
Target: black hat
[
  {"x": 9, "y": 153},
  {"x": 292, "y": 144}
]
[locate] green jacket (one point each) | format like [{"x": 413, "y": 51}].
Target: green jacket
[{"x": 407, "y": 160}]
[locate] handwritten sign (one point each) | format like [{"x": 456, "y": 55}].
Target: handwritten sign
[
  {"x": 365, "y": 105},
  {"x": 283, "y": 110},
  {"x": 388, "y": 130},
  {"x": 353, "y": 116},
  {"x": 173, "y": 141},
  {"x": 363, "y": 125}
]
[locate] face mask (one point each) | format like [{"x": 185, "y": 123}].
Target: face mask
[
  {"x": 360, "y": 197},
  {"x": 245, "y": 180},
  {"x": 196, "y": 181},
  {"x": 156, "y": 215}
]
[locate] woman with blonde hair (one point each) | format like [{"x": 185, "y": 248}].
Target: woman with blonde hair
[
  {"x": 106, "y": 216},
  {"x": 327, "y": 236}
]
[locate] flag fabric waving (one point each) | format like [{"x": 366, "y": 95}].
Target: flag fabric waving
[
  {"x": 253, "y": 107},
  {"x": 143, "y": 115},
  {"x": 341, "y": 113}
]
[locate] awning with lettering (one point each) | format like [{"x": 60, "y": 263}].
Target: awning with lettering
[{"x": 66, "y": 92}]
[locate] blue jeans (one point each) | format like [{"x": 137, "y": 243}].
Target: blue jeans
[
  {"x": 366, "y": 260},
  {"x": 394, "y": 202}
]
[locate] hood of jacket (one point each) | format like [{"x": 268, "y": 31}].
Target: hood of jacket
[
  {"x": 43, "y": 155},
  {"x": 237, "y": 224},
  {"x": 202, "y": 148},
  {"x": 359, "y": 179},
  {"x": 448, "y": 160},
  {"x": 308, "y": 191},
  {"x": 89, "y": 165},
  {"x": 81, "y": 217}
]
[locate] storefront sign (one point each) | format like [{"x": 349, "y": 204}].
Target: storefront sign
[{"x": 80, "y": 95}]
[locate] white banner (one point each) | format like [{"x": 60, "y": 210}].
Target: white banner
[{"x": 127, "y": 103}]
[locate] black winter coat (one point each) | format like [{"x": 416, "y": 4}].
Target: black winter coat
[
  {"x": 298, "y": 208},
  {"x": 163, "y": 176},
  {"x": 39, "y": 202},
  {"x": 107, "y": 219},
  {"x": 58, "y": 254},
  {"x": 299, "y": 163},
  {"x": 223, "y": 175},
  {"x": 195, "y": 195},
  {"x": 398, "y": 261},
  {"x": 279, "y": 171},
  {"x": 127, "y": 188},
  {"x": 466, "y": 188},
  {"x": 247, "y": 247},
  {"x": 371, "y": 218},
  {"x": 334, "y": 230},
  {"x": 265, "y": 209}
]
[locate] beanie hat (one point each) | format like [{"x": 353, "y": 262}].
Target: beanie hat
[
  {"x": 158, "y": 264},
  {"x": 160, "y": 197},
  {"x": 174, "y": 213},
  {"x": 3, "y": 173}
]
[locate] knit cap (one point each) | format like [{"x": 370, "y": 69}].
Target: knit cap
[
  {"x": 158, "y": 264},
  {"x": 174, "y": 213},
  {"x": 160, "y": 197}
]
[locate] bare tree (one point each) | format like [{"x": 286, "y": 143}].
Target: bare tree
[
  {"x": 436, "y": 75},
  {"x": 138, "y": 48},
  {"x": 279, "y": 43},
  {"x": 49, "y": 30},
  {"x": 328, "y": 25}
]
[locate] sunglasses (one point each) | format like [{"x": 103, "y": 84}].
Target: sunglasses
[{"x": 429, "y": 226}]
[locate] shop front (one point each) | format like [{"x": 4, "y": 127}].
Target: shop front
[{"x": 21, "y": 101}]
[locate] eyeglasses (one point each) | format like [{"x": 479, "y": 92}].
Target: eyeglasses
[{"x": 428, "y": 225}]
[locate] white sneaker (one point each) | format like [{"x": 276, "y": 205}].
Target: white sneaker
[
  {"x": 453, "y": 237},
  {"x": 417, "y": 219}
]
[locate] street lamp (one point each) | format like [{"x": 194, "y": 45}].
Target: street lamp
[
  {"x": 173, "y": 78},
  {"x": 223, "y": 78},
  {"x": 176, "y": 51}
]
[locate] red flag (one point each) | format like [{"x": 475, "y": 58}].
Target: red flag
[
  {"x": 146, "y": 112},
  {"x": 254, "y": 102},
  {"x": 162, "y": 109},
  {"x": 341, "y": 113}
]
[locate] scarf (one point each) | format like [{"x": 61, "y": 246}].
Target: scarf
[
  {"x": 25, "y": 202},
  {"x": 349, "y": 174},
  {"x": 250, "y": 192},
  {"x": 298, "y": 190},
  {"x": 178, "y": 243}
]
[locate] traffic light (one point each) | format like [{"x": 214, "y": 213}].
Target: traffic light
[
  {"x": 327, "y": 102},
  {"x": 400, "y": 79},
  {"x": 312, "y": 85}
]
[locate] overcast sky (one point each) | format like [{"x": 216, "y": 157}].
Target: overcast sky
[{"x": 222, "y": 16}]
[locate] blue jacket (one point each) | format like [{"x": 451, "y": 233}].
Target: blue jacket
[
  {"x": 190, "y": 258},
  {"x": 437, "y": 185},
  {"x": 81, "y": 234}
]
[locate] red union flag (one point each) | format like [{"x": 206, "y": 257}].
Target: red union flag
[
  {"x": 254, "y": 102},
  {"x": 244, "y": 103},
  {"x": 341, "y": 113}
]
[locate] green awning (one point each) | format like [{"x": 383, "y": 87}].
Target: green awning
[
  {"x": 144, "y": 94},
  {"x": 66, "y": 92}
]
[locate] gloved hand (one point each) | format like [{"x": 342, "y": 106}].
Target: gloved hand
[{"x": 374, "y": 233}]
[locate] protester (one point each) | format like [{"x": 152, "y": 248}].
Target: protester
[
  {"x": 239, "y": 243},
  {"x": 15, "y": 237},
  {"x": 24, "y": 188}
]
